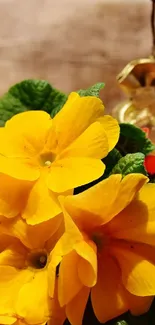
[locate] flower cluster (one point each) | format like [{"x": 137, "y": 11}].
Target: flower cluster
[{"x": 58, "y": 249}]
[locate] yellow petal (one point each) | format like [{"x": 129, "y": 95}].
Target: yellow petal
[
  {"x": 7, "y": 320},
  {"x": 11, "y": 280},
  {"x": 71, "y": 236},
  {"x": 100, "y": 203},
  {"x": 130, "y": 186},
  {"x": 92, "y": 143},
  {"x": 42, "y": 204},
  {"x": 18, "y": 228},
  {"x": 69, "y": 283},
  {"x": 112, "y": 130},
  {"x": 63, "y": 246},
  {"x": 26, "y": 134},
  {"x": 107, "y": 296},
  {"x": 90, "y": 208},
  {"x": 87, "y": 264},
  {"x": 138, "y": 305},
  {"x": 145, "y": 195},
  {"x": 58, "y": 313},
  {"x": 32, "y": 295},
  {"x": 55, "y": 259},
  {"x": 75, "y": 309},
  {"x": 14, "y": 254},
  {"x": 21, "y": 169},
  {"x": 137, "y": 221},
  {"x": 69, "y": 173},
  {"x": 75, "y": 116},
  {"x": 5, "y": 239},
  {"x": 137, "y": 264},
  {"x": 13, "y": 194}
]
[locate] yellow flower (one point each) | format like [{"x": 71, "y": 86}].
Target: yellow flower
[
  {"x": 29, "y": 259},
  {"x": 41, "y": 157},
  {"x": 115, "y": 259}
]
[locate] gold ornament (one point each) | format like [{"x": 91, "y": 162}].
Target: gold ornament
[{"x": 137, "y": 80}]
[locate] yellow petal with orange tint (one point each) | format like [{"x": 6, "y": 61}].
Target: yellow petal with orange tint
[
  {"x": 90, "y": 208},
  {"x": 71, "y": 236},
  {"x": 137, "y": 264},
  {"x": 11, "y": 280},
  {"x": 76, "y": 308},
  {"x": 72, "y": 172},
  {"x": 92, "y": 143},
  {"x": 42, "y": 204},
  {"x": 74, "y": 118},
  {"x": 136, "y": 222},
  {"x": 32, "y": 295},
  {"x": 112, "y": 130},
  {"x": 55, "y": 259},
  {"x": 102, "y": 202},
  {"x": 108, "y": 299},
  {"x": 14, "y": 254},
  {"x": 69, "y": 283},
  {"x": 13, "y": 194},
  {"x": 63, "y": 246},
  {"x": 87, "y": 264},
  {"x": 58, "y": 313},
  {"x": 130, "y": 186},
  {"x": 138, "y": 305},
  {"x": 18, "y": 228}
]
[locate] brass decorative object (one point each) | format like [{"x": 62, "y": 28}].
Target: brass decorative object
[{"x": 137, "y": 80}]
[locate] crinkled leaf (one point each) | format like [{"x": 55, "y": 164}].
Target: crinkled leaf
[
  {"x": 122, "y": 322},
  {"x": 9, "y": 106},
  {"x": 110, "y": 161},
  {"x": 30, "y": 95},
  {"x": 55, "y": 102},
  {"x": 133, "y": 139},
  {"x": 92, "y": 91},
  {"x": 131, "y": 163}
]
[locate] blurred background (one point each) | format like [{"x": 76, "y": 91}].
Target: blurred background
[{"x": 72, "y": 43}]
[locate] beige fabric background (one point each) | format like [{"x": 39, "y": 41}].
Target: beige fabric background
[{"x": 72, "y": 43}]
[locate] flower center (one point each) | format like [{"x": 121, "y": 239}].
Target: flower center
[
  {"x": 100, "y": 239},
  {"x": 46, "y": 159},
  {"x": 38, "y": 259}
]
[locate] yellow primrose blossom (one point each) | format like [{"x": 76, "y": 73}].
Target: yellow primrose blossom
[
  {"x": 41, "y": 157},
  {"x": 29, "y": 258},
  {"x": 114, "y": 261}
]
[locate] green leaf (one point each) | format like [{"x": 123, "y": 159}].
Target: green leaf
[
  {"x": 30, "y": 95},
  {"x": 110, "y": 161},
  {"x": 131, "y": 163},
  {"x": 133, "y": 139},
  {"x": 92, "y": 91},
  {"x": 55, "y": 102}
]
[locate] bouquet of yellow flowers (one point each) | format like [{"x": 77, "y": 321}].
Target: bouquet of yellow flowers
[{"x": 77, "y": 210}]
